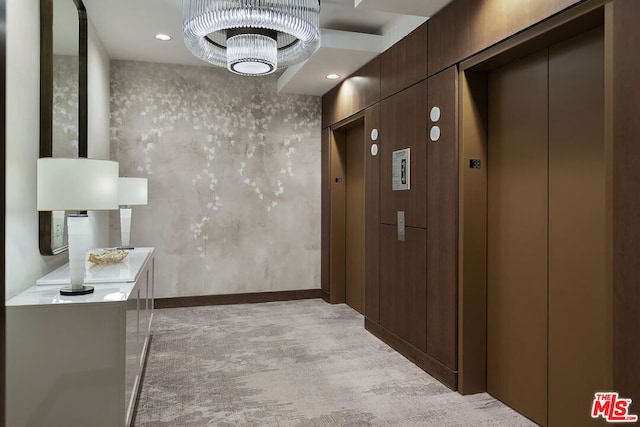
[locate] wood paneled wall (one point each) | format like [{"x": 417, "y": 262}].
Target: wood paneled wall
[
  {"x": 404, "y": 118},
  {"x": 372, "y": 216},
  {"x": 357, "y": 92},
  {"x": 403, "y": 291},
  {"x": 396, "y": 307},
  {"x": 626, "y": 215},
  {"x": 459, "y": 31},
  {"x": 404, "y": 63},
  {"x": 442, "y": 221},
  {"x": 464, "y": 28}
]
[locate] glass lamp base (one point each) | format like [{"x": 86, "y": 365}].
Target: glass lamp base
[{"x": 83, "y": 290}]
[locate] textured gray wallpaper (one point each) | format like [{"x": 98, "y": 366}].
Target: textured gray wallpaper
[
  {"x": 234, "y": 177},
  {"x": 65, "y": 106}
]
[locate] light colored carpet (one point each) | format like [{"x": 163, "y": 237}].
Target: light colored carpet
[{"x": 299, "y": 363}]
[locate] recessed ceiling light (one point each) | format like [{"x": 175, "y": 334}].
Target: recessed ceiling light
[
  {"x": 333, "y": 76},
  {"x": 163, "y": 37}
]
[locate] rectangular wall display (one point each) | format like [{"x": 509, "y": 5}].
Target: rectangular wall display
[{"x": 401, "y": 172}]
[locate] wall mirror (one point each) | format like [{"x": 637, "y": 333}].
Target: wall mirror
[{"x": 63, "y": 99}]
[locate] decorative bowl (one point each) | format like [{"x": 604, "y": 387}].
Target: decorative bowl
[{"x": 108, "y": 256}]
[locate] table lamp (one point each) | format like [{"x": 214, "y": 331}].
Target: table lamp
[
  {"x": 78, "y": 185},
  {"x": 131, "y": 191}
]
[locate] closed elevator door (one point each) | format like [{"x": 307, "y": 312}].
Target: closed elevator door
[
  {"x": 546, "y": 296},
  {"x": 517, "y": 236},
  {"x": 354, "y": 224}
]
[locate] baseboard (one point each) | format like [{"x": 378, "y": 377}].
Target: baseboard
[
  {"x": 227, "y": 299},
  {"x": 326, "y": 296},
  {"x": 425, "y": 362}
]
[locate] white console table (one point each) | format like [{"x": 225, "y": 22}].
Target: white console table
[{"x": 78, "y": 360}]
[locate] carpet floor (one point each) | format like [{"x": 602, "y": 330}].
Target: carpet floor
[{"x": 298, "y": 363}]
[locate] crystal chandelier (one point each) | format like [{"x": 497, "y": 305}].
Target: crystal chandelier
[{"x": 251, "y": 37}]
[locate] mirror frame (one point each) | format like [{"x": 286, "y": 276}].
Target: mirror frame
[{"x": 46, "y": 103}]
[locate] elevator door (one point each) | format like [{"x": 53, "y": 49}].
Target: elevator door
[
  {"x": 517, "y": 236},
  {"x": 354, "y": 224},
  {"x": 546, "y": 249},
  {"x": 577, "y": 229}
]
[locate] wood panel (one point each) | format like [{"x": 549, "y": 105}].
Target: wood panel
[
  {"x": 442, "y": 221},
  {"x": 354, "y": 223},
  {"x": 325, "y": 212},
  {"x": 403, "y": 284},
  {"x": 562, "y": 26},
  {"x": 337, "y": 264},
  {"x": 404, "y": 63},
  {"x": 404, "y": 125},
  {"x": 472, "y": 263},
  {"x": 464, "y": 28},
  {"x": 228, "y": 299},
  {"x": 354, "y": 94},
  {"x": 579, "y": 325},
  {"x": 517, "y": 236},
  {"x": 626, "y": 227},
  {"x": 372, "y": 216}
]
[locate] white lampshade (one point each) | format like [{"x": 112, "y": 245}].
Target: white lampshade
[
  {"x": 77, "y": 184},
  {"x": 132, "y": 191}
]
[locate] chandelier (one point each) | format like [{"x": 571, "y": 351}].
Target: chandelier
[{"x": 251, "y": 37}]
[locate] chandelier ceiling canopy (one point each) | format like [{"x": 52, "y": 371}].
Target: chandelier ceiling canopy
[{"x": 251, "y": 37}]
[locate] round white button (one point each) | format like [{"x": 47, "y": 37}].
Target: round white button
[
  {"x": 374, "y": 134},
  {"x": 374, "y": 149},
  {"x": 435, "y": 133},
  {"x": 435, "y": 114}
]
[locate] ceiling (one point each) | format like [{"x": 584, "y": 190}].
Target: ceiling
[{"x": 353, "y": 33}]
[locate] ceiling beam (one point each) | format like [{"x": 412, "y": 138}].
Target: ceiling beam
[{"x": 340, "y": 52}]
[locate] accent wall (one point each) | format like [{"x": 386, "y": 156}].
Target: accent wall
[{"x": 234, "y": 177}]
